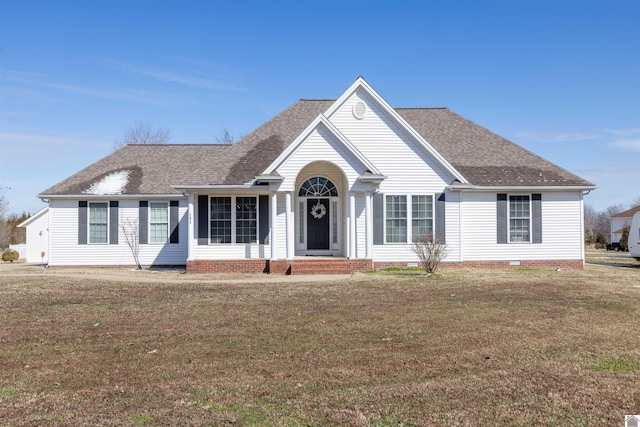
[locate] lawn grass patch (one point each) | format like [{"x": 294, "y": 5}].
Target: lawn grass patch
[{"x": 462, "y": 347}]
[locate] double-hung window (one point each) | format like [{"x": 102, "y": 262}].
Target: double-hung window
[
  {"x": 519, "y": 219},
  {"x": 246, "y": 220},
  {"x": 221, "y": 219},
  {"x": 396, "y": 219},
  {"x": 234, "y": 220},
  {"x": 158, "y": 222},
  {"x": 421, "y": 218},
  {"x": 98, "y": 222}
]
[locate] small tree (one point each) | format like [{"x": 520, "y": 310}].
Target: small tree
[
  {"x": 141, "y": 133},
  {"x": 588, "y": 237},
  {"x": 131, "y": 233},
  {"x": 624, "y": 240},
  {"x": 430, "y": 251},
  {"x": 600, "y": 238},
  {"x": 225, "y": 137}
]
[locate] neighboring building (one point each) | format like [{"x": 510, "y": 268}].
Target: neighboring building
[
  {"x": 37, "y": 235},
  {"x": 619, "y": 221},
  {"x": 324, "y": 186}
]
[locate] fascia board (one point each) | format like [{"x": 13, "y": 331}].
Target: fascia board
[
  {"x": 361, "y": 83},
  {"x": 297, "y": 143},
  {"x": 484, "y": 188},
  {"x": 107, "y": 196},
  {"x": 32, "y": 218}
]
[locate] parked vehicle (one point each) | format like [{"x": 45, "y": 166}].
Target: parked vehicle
[
  {"x": 634, "y": 236},
  {"x": 613, "y": 246}
]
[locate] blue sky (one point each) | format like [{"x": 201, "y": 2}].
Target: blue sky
[{"x": 561, "y": 78}]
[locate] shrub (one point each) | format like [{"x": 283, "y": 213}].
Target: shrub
[
  {"x": 624, "y": 240},
  {"x": 601, "y": 238},
  {"x": 588, "y": 237},
  {"x": 431, "y": 251},
  {"x": 10, "y": 255}
]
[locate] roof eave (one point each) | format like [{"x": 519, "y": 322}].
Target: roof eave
[{"x": 491, "y": 188}]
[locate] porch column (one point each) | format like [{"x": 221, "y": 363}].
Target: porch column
[
  {"x": 368, "y": 215},
  {"x": 289, "y": 217},
  {"x": 274, "y": 221},
  {"x": 190, "y": 229},
  {"x": 352, "y": 225}
]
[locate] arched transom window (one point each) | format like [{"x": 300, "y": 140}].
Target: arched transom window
[{"x": 318, "y": 187}]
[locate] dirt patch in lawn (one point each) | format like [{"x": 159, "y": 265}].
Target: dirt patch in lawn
[{"x": 470, "y": 347}]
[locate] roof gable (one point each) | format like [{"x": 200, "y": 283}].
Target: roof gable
[
  {"x": 361, "y": 85},
  {"x": 321, "y": 120}
]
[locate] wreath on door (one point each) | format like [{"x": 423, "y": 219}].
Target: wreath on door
[{"x": 318, "y": 210}]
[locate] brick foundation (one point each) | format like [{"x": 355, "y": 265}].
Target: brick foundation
[{"x": 345, "y": 266}]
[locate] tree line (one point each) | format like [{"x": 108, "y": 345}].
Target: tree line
[{"x": 597, "y": 224}]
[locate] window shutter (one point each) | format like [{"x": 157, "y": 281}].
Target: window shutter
[
  {"x": 113, "y": 223},
  {"x": 263, "y": 220},
  {"x": 143, "y": 222},
  {"x": 82, "y": 222},
  {"x": 378, "y": 219},
  {"x": 174, "y": 221},
  {"x": 502, "y": 218},
  {"x": 440, "y": 218},
  {"x": 536, "y": 218},
  {"x": 203, "y": 220}
]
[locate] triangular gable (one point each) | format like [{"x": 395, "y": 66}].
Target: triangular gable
[
  {"x": 360, "y": 83},
  {"x": 297, "y": 143},
  {"x": 34, "y": 217}
]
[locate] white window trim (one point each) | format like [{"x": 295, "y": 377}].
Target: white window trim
[
  {"x": 89, "y": 242},
  {"x": 233, "y": 219},
  {"x": 509, "y": 195},
  {"x": 409, "y": 218},
  {"x": 168, "y": 223}
]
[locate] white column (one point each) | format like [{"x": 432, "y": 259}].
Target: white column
[
  {"x": 352, "y": 225},
  {"x": 274, "y": 222},
  {"x": 289, "y": 217},
  {"x": 190, "y": 229},
  {"x": 368, "y": 215}
]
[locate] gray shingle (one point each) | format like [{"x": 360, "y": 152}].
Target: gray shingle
[{"x": 481, "y": 156}]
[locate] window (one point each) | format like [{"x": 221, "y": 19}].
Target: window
[
  {"x": 158, "y": 222},
  {"x": 519, "y": 219},
  {"x": 421, "y": 217},
  {"x": 98, "y": 222},
  {"x": 221, "y": 220},
  {"x": 246, "y": 220},
  {"x": 318, "y": 187},
  {"x": 234, "y": 220},
  {"x": 396, "y": 219}
]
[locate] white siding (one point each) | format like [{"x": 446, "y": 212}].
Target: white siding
[
  {"x": 65, "y": 250},
  {"x": 37, "y": 233},
  {"x": 561, "y": 229},
  {"x": 409, "y": 168}
]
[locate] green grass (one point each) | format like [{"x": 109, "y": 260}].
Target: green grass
[{"x": 617, "y": 364}]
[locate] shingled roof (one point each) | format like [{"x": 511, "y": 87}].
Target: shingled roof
[{"x": 482, "y": 157}]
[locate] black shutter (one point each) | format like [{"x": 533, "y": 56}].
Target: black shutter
[
  {"x": 440, "y": 228},
  {"x": 203, "y": 220},
  {"x": 536, "y": 218},
  {"x": 263, "y": 220},
  {"x": 82, "y": 222},
  {"x": 113, "y": 223},
  {"x": 378, "y": 219},
  {"x": 174, "y": 221},
  {"x": 143, "y": 222},
  {"x": 502, "y": 218}
]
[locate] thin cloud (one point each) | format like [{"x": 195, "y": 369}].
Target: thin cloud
[
  {"x": 171, "y": 76},
  {"x": 137, "y": 96},
  {"x": 558, "y": 136},
  {"x": 627, "y": 144}
]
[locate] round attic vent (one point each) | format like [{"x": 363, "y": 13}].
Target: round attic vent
[{"x": 359, "y": 109}]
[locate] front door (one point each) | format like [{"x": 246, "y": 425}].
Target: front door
[{"x": 318, "y": 225}]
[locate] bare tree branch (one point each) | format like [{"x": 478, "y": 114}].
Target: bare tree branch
[
  {"x": 225, "y": 137},
  {"x": 143, "y": 133},
  {"x": 131, "y": 233},
  {"x": 431, "y": 252}
]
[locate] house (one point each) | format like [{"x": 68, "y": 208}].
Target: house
[
  {"x": 325, "y": 186},
  {"x": 37, "y": 237},
  {"x": 619, "y": 221}
]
